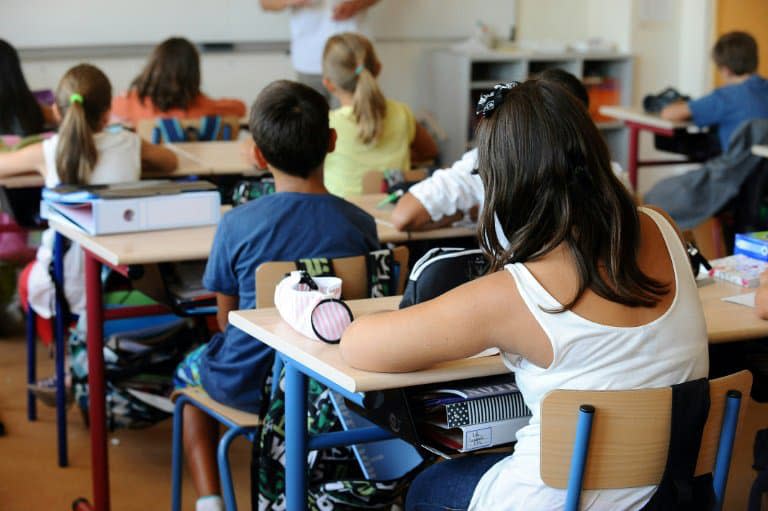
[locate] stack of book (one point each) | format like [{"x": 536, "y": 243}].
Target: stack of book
[{"x": 472, "y": 415}]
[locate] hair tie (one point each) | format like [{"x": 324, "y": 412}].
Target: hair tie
[
  {"x": 488, "y": 102},
  {"x": 75, "y": 98},
  {"x": 359, "y": 69}
]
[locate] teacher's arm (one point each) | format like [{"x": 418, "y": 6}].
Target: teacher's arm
[
  {"x": 279, "y": 5},
  {"x": 349, "y": 8}
]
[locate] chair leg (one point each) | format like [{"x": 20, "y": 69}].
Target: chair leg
[
  {"x": 225, "y": 474},
  {"x": 31, "y": 363},
  {"x": 60, "y": 322},
  {"x": 177, "y": 452},
  {"x": 725, "y": 446},
  {"x": 579, "y": 457}
]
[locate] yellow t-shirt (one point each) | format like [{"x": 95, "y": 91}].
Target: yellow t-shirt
[{"x": 345, "y": 166}]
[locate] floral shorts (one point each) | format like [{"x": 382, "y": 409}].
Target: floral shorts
[{"x": 188, "y": 371}]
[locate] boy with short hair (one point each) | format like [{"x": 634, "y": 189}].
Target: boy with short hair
[
  {"x": 290, "y": 129},
  {"x": 743, "y": 97}
]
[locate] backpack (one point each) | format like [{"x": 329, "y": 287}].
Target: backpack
[
  {"x": 440, "y": 270},
  {"x": 171, "y": 129}
]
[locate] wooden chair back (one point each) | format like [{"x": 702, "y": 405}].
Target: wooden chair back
[
  {"x": 351, "y": 270},
  {"x": 373, "y": 179},
  {"x": 145, "y": 126},
  {"x": 630, "y": 433}
]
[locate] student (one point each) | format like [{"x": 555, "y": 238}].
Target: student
[
  {"x": 453, "y": 193},
  {"x": 743, "y": 97},
  {"x": 289, "y": 125},
  {"x": 374, "y": 133},
  {"x": 20, "y": 112},
  {"x": 80, "y": 153},
  {"x": 591, "y": 293},
  {"x": 169, "y": 86}
]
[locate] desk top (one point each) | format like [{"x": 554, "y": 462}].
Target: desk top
[
  {"x": 760, "y": 150},
  {"x": 191, "y": 243},
  {"x": 387, "y": 231},
  {"x": 31, "y": 180},
  {"x": 726, "y": 322},
  {"x": 325, "y": 359},
  {"x": 636, "y": 114}
]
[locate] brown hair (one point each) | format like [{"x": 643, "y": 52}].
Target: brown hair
[
  {"x": 83, "y": 96},
  {"x": 350, "y": 62},
  {"x": 736, "y": 51},
  {"x": 171, "y": 78},
  {"x": 547, "y": 178}
]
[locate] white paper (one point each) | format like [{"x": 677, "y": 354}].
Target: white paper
[
  {"x": 490, "y": 352},
  {"x": 745, "y": 299}
]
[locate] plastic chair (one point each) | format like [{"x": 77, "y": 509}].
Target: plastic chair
[
  {"x": 353, "y": 272},
  {"x": 619, "y": 439}
]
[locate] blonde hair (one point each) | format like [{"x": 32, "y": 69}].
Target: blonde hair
[
  {"x": 83, "y": 96},
  {"x": 350, "y": 62}
]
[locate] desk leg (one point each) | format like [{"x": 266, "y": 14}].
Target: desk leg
[
  {"x": 96, "y": 384},
  {"x": 632, "y": 158},
  {"x": 295, "y": 438},
  {"x": 60, "y": 328}
]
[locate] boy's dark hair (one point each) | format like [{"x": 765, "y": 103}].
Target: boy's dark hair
[
  {"x": 289, "y": 124},
  {"x": 171, "y": 78},
  {"x": 736, "y": 51},
  {"x": 547, "y": 178},
  {"x": 567, "y": 80},
  {"x": 20, "y": 113}
]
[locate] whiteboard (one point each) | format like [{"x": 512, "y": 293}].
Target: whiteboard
[{"x": 46, "y": 23}]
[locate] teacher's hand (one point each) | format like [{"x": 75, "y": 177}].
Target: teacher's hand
[{"x": 349, "y": 8}]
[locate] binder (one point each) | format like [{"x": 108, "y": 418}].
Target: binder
[
  {"x": 133, "y": 207},
  {"x": 476, "y": 436}
]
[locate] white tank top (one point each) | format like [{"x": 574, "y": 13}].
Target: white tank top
[
  {"x": 591, "y": 356},
  {"x": 119, "y": 161}
]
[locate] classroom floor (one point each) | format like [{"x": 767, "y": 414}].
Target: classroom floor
[{"x": 140, "y": 459}]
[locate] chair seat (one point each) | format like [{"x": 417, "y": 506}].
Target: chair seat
[{"x": 238, "y": 417}]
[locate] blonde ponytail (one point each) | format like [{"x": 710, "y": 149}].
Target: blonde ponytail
[
  {"x": 83, "y": 97},
  {"x": 350, "y": 62}
]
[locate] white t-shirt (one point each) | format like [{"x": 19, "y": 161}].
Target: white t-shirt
[
  {"x": 589, "y": 356},
  {"x": 311, "y": 26},
  {"x": 119, "y": 161}
]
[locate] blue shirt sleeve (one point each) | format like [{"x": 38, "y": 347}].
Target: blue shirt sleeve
[
  {"x": 219, "y": 273},
  {"x": 708, "y": 110}
]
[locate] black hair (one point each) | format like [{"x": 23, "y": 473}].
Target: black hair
[
  {"x": 547, "y": 177},
  {"x": 736, "y": 51},
  {"x": 20, "y": 113},
  {"x": 567, "y": 80},
  {"x": 289, "y": 124},
  {"x": 171, "y": 78}
]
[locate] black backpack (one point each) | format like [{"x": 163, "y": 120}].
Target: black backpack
[{"x": 440, "y": 270}]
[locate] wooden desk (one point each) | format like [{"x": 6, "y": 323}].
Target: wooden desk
[
  {"x": 387, "y": 231},
  {"x": 209, "y": 158},
  {"x": 637, "y": 120},
  {"x": 304, "y": 357},
  {"x": 760, "y": 150},
  {"x": 31, "y": 180}
]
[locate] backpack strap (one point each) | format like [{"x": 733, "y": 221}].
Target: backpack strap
[
  {"x": 316, "y": 266},
  {"x": 679, "y": 490},
  {"x": 210, "y": 125},
  {"x": 171, "y": 130},
  {"x": 379, "y": 265}
]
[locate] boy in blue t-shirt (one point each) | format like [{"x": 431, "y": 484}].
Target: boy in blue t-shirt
[
  {"x": 743, "y": 97},
  {"x": 289, "y": 125}
]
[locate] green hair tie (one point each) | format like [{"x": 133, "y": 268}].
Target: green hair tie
[
  {"x": 75, "y": 98},
  {"x": 359, "y": 69}
]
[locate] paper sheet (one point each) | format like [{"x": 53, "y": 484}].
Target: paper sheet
[
  {"x": 745, "y": 299},
  {"x": 486, "y": 353}
]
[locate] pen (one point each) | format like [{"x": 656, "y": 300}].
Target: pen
[{"x": 392, "y": 197}]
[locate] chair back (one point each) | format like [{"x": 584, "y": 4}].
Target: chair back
[
  {"x": 353, "y": 271},
  {"x": 212, "y": 127},
  {"x": 630, "y": 433}
]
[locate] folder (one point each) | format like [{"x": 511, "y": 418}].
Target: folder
[{"x": 144, "y": 206}]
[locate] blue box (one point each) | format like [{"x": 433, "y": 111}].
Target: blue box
[{"x": 752, "y": 244}]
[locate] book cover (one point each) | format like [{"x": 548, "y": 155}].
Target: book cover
[
  {"x": 738, "y": 269},
  {"x": 386, "y": 460},
  {"x": 483, "y": 410}
]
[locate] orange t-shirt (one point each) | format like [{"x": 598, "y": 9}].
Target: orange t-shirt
[{"x": 129, "y": 108}]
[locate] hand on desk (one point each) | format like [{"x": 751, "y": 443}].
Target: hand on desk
[{"x": 761, "y": 297}]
